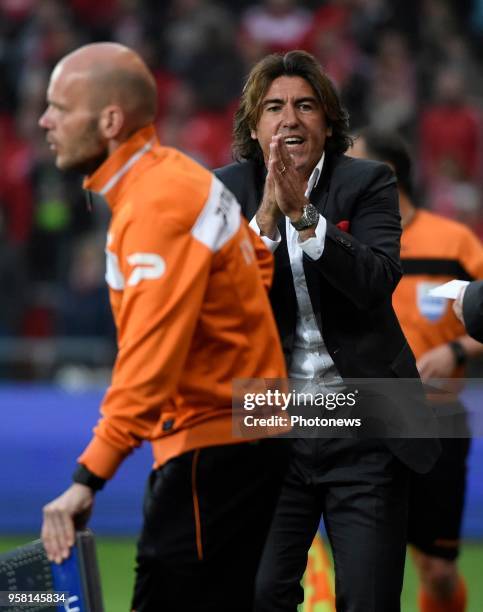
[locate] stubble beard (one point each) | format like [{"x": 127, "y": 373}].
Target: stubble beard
[{"x": 96, "y": 151}]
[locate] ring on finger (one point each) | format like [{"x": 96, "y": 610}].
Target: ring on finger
[{"x": 282, "y": 169}]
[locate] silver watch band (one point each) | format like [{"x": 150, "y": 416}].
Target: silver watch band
[{"x": 310, "y": 216}]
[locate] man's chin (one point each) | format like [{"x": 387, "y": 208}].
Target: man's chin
[
  {"x": 61, "y": 164},
  {"x": 64, "y": 164}
]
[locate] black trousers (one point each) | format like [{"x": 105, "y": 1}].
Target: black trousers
[
  {"x": 361, "y": 490},
  {"x": 206, "y": 518}
]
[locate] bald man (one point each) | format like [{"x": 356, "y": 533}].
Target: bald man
[{"x": 187, "y": 281}]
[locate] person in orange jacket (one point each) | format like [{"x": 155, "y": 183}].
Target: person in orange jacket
[
  {"x": 187, "y": 281},
  {"x": 434, "y": 250}
]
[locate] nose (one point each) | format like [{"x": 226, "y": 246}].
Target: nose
[
  {"x": 289, "y": 116},
  {"x": 45, "y": 121}
]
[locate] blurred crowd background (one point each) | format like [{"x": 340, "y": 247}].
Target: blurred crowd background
[{"x": 410, "y": 65}]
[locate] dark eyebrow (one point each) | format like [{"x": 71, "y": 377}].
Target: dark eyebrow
[
  {"x": 272, "y": 101},
  {"x": 297, "y": 101},
  {"x": 307, "y": 99}
]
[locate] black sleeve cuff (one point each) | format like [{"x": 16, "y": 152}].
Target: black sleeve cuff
[
  {"x": 84, "y": 476},
  {"x": 459, "y": 352}
]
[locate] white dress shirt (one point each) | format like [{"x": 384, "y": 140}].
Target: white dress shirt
[{"x": 310, "y": 358}]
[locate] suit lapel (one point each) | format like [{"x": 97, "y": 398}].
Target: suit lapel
[
  {"x": 320, "y": 194},
  {"x": 320, "y": 199}
]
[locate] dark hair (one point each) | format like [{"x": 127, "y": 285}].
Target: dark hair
[
  {"x": 390, "y": 147},
  {"x": 293, "y": 63}
]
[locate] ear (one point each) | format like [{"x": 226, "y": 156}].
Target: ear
[
  {"x": 253, "y": 134},
  {"x": 328, "y": 131},
  {"x": 111, "y": 121}
]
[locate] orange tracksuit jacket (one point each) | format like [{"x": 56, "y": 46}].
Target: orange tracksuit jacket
[
  {"x": 434, "y": 250},
  {"x": 188, "y": 287}
]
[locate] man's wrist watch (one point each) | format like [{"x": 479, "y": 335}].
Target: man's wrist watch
[{"x": 310, "y": 216}]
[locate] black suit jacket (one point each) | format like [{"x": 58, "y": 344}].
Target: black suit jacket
[
  {"x": 473, "y": 310},
  {"x": 351, "y": 285}
]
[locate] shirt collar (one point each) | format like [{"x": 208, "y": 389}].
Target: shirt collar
[{"x": 314, "y": 177}]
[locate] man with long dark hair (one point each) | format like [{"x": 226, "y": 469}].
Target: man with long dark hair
[{"x": 334, "y": 227}]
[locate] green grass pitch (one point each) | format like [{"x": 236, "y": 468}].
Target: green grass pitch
[{"x": 116, "y": 560}]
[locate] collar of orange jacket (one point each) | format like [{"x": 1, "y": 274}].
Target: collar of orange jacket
[{"x": 110, "y": 177}]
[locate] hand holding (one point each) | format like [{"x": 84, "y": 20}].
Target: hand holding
[
  {"x": 61, "y": 516},
  {"x": 436, "y": 363}
]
